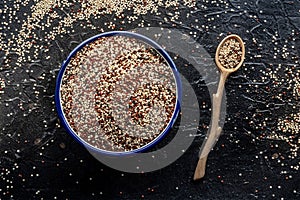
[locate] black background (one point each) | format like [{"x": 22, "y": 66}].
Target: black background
[{"x": 39, "y": 160}]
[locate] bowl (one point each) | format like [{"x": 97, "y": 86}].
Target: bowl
[{"x": 118, "y": 93}]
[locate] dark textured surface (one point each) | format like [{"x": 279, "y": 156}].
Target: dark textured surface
[{"x": 254, "y": 158}]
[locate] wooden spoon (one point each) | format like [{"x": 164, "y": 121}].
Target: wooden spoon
[{"x": 229, "y": 57}]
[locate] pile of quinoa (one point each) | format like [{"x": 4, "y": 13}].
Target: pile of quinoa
[
  {"x": 118, "y": 93},
  {"x": 230, "y": 53}
]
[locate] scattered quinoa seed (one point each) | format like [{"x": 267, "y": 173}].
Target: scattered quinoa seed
[{"x": 2, "y": 85}]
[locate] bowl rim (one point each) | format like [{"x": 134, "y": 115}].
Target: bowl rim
[{"x": 146, "y": 40}]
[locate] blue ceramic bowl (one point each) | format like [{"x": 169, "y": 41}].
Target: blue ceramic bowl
[{"x": 141, "y": 38}]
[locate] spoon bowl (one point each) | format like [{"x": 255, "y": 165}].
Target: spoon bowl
[{"x": 230, "y": 52}]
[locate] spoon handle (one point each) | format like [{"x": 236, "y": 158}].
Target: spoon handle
[{"x": 214, "y": 130}]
